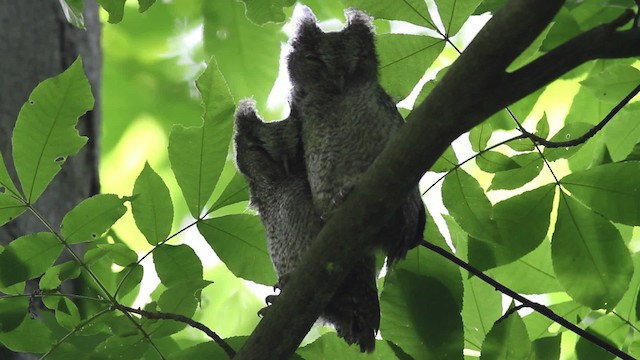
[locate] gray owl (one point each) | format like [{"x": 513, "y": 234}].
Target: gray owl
[
  {"x": 269, "y": 155},
  {"x": 346, "y": 119}
]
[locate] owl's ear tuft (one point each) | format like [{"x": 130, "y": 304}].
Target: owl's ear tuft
[
  {"x": 358, "y": 18},
  {"x": 307, "y": 22}
]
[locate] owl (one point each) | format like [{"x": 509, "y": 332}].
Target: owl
[
  {"x": 269, "y": 155},
  {"x": 346, "y": 119}
]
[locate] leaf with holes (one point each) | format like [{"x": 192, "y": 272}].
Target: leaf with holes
[
  {"x": 92, "y": 217},
  {"x": 45, "y": 133}
]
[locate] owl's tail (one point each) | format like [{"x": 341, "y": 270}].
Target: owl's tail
[{"x": 355, "y": 309}]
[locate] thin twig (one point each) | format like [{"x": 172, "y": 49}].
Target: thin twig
[
  {"x": 181, "y": 318},
  {"x": 589, "y": 134},
  {"x": 541, "y": 309}
]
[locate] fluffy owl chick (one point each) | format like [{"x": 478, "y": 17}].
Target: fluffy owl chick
[
  {"x": 347, "y": 118},
  {"x": 281, "y": 195}
]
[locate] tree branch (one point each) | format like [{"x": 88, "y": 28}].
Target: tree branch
[
  {"x": 181, "y": 318},
  {"x": 474, "y": 87},
  {"x": 541, "y": 309}
]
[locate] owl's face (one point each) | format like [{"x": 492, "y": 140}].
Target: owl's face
[{"x": 333, "y": 61}]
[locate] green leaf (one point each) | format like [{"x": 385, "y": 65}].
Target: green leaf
[
  {"x": 11, "y": 203},
  {"x": 261, "y": 12},
  {"x": 121, "y": 254},
  {"x": 507, "y": 340},
  {"x": 547, "y": 348},
  {"x": 421, "y": 315},
  {"x": 130, "y": 277},
  {"x": 92, "y": 218},
  {"x": 329, "y": 345},
  {"x": 240, "y": 242},
  {"x": 152, "y": 208},
  {"x": 28, "y": 257},
  {"x": 211, "y": 350},
  {"x": 539, "y": 326},
  {"x": 235, "y": 192},
  {"x": 522, "y": 222},
  {"x": 467, "y": 203},
  {"x": 614, "y": 83},
  {"x": 228, "y": 34},
  {"x": 198, "y": 154},
  {"x": 54, "y": 276},
  {"x": 183, "y": 299},
  {"x": 529, "y": 166},
  {"x": 589, "y": 257},
  {"x": 66, "y": 311},
  {"x": 455, "y": 13},
  {"x": 31, "y": 336},
  {"x": 493, "y": 161},
  {"x": 446, "y": 162},
  {"x": 413, "y": 11},
  {"x": 610, "y": 190},
  {"x": 569, "y": 132},
  {"x": 427, "y": 263},
  {"x": 404, "y": 59},
  {"x": 479, "y": 136},
  {"x": 481, "y": 308},
  {"x": 621, "y": 135},
  {"x": 530, "y": 274},
  {"x": 542, "y": 128},
  {"x": 115, "y": 8},
  {"x": 176, "y": 264},
  {"x": 144, "y": 5},
  {"x": 45, "y": 133},
  {"x": 12, "y": 311}
]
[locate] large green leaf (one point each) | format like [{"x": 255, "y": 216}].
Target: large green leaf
[
  {"x": 529, "y": 166},
  {"x": 611, "y": 190},
  {"x": 422, "y": 316},
  {"x": 198, "y": 154},
  {"x": 28, "y": 257},
  {"x": 481, "y": 308},
  {"x": 176, "y": 264},
  {"x": 467, "y": 203},
  {"x": 152, "y": 208},
  {"x": 240, "y": 242},
  {"x": 614, "y": 83},
  {"x": 12, "y": 311},
  {"x": 247, "y": 54},
  {"x": 507, "y": 340},
  {"x": 589, "y": 257},
  {"x": 622, "y": 134},
  {"x": 92, "y": 217},
  {"x": 235, "y": 191},
  {"x": 454, "y": 13},
  {"x": 522, "y": 221},
  {"x": 45, "y": 133},
  {"x": 31, "y": 336},
  {"x": 413, "y": 11},
  {"x": 404, "y": 59}
]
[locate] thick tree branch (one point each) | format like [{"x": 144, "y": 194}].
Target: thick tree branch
[{"x": 474, "y": 88}]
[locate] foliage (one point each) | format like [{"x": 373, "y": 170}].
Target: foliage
[{"x": 541, "y": 220}]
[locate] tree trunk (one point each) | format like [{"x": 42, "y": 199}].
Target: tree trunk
[{"x": 37, "y": 42}]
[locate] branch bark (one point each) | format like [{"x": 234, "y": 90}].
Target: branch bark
[{"x": 475, "y": 87}]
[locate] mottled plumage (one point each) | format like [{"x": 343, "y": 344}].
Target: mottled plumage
[
  {"x": 269, "y": 155},
  {"x": 346, "y": 119}
]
